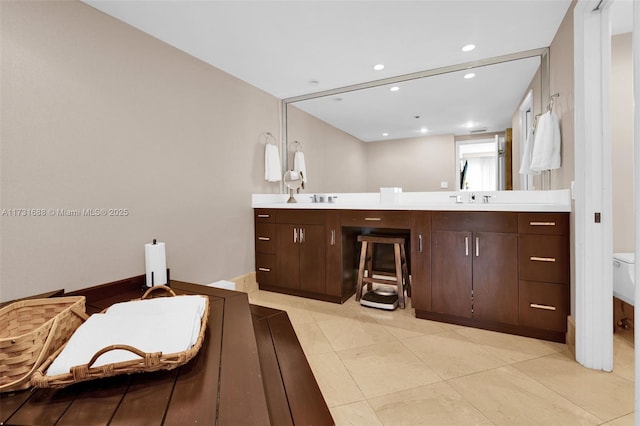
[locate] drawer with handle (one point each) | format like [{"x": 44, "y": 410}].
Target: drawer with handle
[
  {"x": 543, "y": 305},
  {"x": 376, "y": 219},
  {"x": 266, "y": 269},
  {"x": 543, "y": 223},
  {"x": 544, "y": 258},
  {"x": 264, "y": 216},
  {"x": 265, "y": 238}
]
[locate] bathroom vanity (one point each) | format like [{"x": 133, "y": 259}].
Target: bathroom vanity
[{"x": 501, "y": 265}]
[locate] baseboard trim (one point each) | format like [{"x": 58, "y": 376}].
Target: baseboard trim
[{"x": 571, "y": 335}]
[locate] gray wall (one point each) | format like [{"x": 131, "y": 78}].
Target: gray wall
[
  {"x": 415, "y": 164},
  {"x": 622, "y": 142},
  {"x": 96, "y": 114}
]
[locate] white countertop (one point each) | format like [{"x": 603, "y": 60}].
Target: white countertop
[{"x": 516, "y": 201}]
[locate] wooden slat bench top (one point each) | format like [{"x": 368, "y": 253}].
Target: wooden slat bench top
[{"x": 222, "y": 385}]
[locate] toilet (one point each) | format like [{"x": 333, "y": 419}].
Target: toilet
[{"x": 623, "y": 276}]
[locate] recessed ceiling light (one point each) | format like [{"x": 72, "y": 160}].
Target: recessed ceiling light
[
  {"x": 469, "y": 75},
  {"x": 337, "y": 99},
  {"x": 378, "y": 67},
  {"x": 469, "y": 124},
  {"x": 394, "y": 89},
  {"x": 468, "y": 47},
  {"x": 424, "y": 130},
  {"x": 385, "y": 134},
  {"x": 314, "y": 82}
]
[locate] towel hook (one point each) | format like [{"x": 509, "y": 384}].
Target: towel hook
[
  {"x": 551, "y": 101},
  {"x": 298, "y": 146},
  {"x": 268, "y": 138}
]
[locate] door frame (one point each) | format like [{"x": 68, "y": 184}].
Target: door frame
[{"x": 593, "y": 245}]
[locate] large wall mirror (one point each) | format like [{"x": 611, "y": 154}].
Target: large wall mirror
[{"x": 419, "y": 130}]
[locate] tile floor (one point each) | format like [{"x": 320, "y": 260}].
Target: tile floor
[{"x": 377, "y": 367}]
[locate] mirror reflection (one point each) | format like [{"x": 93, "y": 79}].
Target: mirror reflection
[
  {"x": 294, "y": 181},
  {"x": 469, "y": 115}
]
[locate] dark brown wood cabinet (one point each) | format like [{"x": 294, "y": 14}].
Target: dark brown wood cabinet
[
  {"x": 298, "y": 251},
  {"x": 420, "y": 257},
  {"x": 451, "y": 273},
  {"x": 495, "y": 277},
  {"x": 265, "y": 245},
  {"x": 544, "y": 271},
  {"x": 503, "y": 271},
  {"x": 300, "y": 257},
  {"x": 474, "y": 267}
]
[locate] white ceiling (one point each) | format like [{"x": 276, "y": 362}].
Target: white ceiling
[{"x": 291, "y": 48}]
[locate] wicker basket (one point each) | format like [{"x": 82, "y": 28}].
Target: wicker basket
[
  {"x": 148, "y": 361},
  {"x": 30, "y": 331}
]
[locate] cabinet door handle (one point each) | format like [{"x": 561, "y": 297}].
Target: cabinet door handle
[
  {"x": 264, "y": 238},
  {"x": 544, "y": 307},
  {"x": 542, "y": 223},
  {"x": 420, "y": 243},
  {"x": 542, "y": 259},
  {"x": 373, "y": 219},
  {"x": 466, "y": 246},
  {"x": 333, "y": 237},
  {"x": 264, "y": 269},
  {"x": 264, "y": 216},
  {"x": 301, "y": 235},
  {"x": 477, "y": 246},
  {"x": 295, "y": 235}
]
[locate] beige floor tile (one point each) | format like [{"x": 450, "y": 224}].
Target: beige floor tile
[
  {"x": 491, "y": 377},
  {"x": 508, "y": 397},
  {"x": 334, "y": 380},
  {"x": 435, "y": 404},
  {"x": 386, "y": 368},
  {"x": 623, "y": 358},
  {"x": 355, "y": 414},
  {"x": 405, "y": 326},
  {"x": 451, "y": 355},
  {"x": 298, "y": 316},
  {"x": 321, "y": 310},
  {"x": 271, "y": 299},
  {"x": 348, "y": 333},
  {"x": 603, "y": 394},
  {"x": 508, "y": 347},
  {"x": 627, "y": 420},
  {"x": 312, "y": 339}
]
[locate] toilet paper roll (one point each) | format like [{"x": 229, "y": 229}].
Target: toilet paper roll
[{"x": 155, "y": 261}]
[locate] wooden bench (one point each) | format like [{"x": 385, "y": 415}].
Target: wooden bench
[{"x": 250, "y": 370}]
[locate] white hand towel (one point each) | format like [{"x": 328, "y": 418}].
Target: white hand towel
[
  {"x": 546, "y": 146},
  {"x": 525, "y": 166},
  {"x": 272, "y": 169},
  {"x": 167, "y": 333},
  {"x": 299, "y": 165}
]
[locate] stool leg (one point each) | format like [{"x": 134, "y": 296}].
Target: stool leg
[
  {"x": 369, "y": 265},
  {"x": 363, "y": 258},
  {"x": 405, "y": 270},
  {"x": 399, "y": 275}
]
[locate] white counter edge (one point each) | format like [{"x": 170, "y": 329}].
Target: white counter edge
[{"x": 515, "y": 201}]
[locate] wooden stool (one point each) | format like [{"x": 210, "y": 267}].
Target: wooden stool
[{"x": 401, "y": 275}]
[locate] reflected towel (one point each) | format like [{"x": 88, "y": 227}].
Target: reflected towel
[
  {"x": 299, "y": 165},
  {"x": 272, "y": 169},
  {"x": 525, "y": 166},
  {"x": 546, "y": 145}
]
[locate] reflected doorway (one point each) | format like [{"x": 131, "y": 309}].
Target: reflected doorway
[{"x": 480, "y": 164}]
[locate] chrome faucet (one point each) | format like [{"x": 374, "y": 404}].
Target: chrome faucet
[{"x": 485, "y": 198}]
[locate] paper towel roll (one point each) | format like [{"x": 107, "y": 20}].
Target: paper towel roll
[{"x": 155, "y": 262}]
